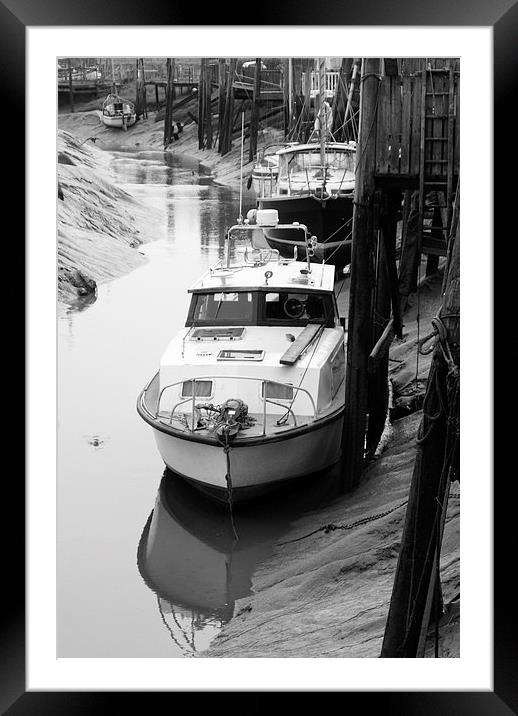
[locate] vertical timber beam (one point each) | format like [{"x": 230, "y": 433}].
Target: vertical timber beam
[
  {"x": 436, "y": 462},
  {"x": 70, "y": 89},
  {"x": 286, "y": 95},
  {"x": 254, "y": 114},
  {"x": 307, "y": 100},
  {"x": 201, "y": 103},
  {"x": 221, "y": 98},
  {"x": 168, "y": 119},
  {"x": 226, "y": 144},
  {"x": 360, "y": 298},
  {"x": 208, "y": 110},
  {"x": 380, "y": 317}
]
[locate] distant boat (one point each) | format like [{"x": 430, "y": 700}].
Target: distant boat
[
  {"x": 118, "y": 112},
  {"x": 315, "y": 186}
]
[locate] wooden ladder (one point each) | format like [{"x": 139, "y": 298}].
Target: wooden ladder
[{"x": 438, "y": 157}]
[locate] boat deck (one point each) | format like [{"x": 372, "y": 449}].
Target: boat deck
[{"x": 182, "y": 423}]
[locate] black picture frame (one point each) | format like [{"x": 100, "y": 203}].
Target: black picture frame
[{"x": 15, "y": 16}]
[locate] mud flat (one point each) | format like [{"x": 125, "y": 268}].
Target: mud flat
[
  {"x": 99, "y": 225},
  {"x": 148, "y": 133}
]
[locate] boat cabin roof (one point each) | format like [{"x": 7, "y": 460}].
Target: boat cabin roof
[{"x": 286, "y": 274}]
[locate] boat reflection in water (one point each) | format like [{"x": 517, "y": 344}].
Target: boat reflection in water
[{"x": 189, "y": 556}]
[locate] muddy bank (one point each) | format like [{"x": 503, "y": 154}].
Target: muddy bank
[
  {"x": 148, "y": 132},
  {"x": 326, "y": 592},
  {"x": 99, "y": 225}
]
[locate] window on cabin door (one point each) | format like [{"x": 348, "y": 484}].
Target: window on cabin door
[{"x": 224, "y": 308}]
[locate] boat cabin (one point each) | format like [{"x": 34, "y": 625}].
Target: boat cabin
[{"x": 302, "y": 169}]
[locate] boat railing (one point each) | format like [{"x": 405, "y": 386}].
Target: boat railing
[
  {"x": 264, "y": 381},
  {"x": 309, "y": 240}
]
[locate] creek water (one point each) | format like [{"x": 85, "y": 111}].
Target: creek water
[{"x": 147, "y": 567}]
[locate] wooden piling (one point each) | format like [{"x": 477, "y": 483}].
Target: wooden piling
[
  {"x": 436, "y": 464},
  {"x": 70, "y": 88},
  {"x": 207, "y": 107},
  {"x": 389, "y": 221},
  {"x": 168, "y": 120},
  {"x": 377, "y": 387},
  {"x": 359, "y": 341},
  {"x": 307, "y": 101},
  {"x": 140, "y": 82},
  {"x": 254, "y": 116},
  {"x": 221, "y": 98},
  {"x": 340, "y": 101},
  {"x": 202, "y": 100},
  {"x": 226, "y": 140},
  {"x": 386, "y": 296}
]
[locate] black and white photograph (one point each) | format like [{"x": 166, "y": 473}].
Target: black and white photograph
[
  {"x": 262, "y": 256},
  {"x": 258, "y": 462}
]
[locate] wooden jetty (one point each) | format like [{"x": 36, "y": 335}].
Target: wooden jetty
[{"x": 408, "y": 147}]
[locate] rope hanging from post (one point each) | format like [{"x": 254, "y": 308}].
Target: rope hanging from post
[{"x": 446, "y": 398}]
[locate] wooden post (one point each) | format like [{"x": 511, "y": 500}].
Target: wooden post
[
  {"x": 435, "y": 464},
  {"x": 340, "y": 101},
  {"x": 385, "y": 295},
  {"x": 389, "y": 232},
  {"x": 226, "y": 144},
  {"x": 254, "y": 118},
  {"x": 432, "y": 260},
  {"x": 291, "y": 112},
  {"x": 359, "y": 342},
  {"x": 157, "y": 103},
  {"x": 208, "y": 111},
  {"x": 201, "y": 104},
  {"x": 140, "y": 99},
  {"x": 144, "y": 97},
  {"x": 410, "y": 255},
  {"x": 71, "y": 91},
  {"x": 349, "y": 110},
  {"x": 168, "y": 119},
  {"x": 286, "y": 95},
  {"x": 221, "y": 98}
]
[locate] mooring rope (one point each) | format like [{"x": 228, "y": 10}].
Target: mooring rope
[
  {"x": 448, "y": 407},
  {"x": 228, "y": 479}
]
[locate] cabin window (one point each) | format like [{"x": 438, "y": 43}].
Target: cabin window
[
  {"x": 298, "y": 308},
  {"x": 260, "y": 308},
  {"x": 224, "y": 308},
  {"x": 276, "y": 391},
  {"x": 309, "y": 163},
  {"x": 202, "y": 389}
]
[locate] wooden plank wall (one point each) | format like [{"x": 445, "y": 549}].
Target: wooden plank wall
[{"x": 398, "y": 133}]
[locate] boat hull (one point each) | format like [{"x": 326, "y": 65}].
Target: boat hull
[
  {"x": 256, "y": 465},
  {"x": 330, "y": 220},
  {"x": 118, "y": 121}
]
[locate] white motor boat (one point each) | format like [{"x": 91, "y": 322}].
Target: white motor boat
[
  {"x": 250, "y": 393},
  {"x": 118, "y": 112}
]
